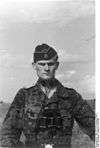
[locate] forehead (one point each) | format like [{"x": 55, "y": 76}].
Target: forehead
[{"x": 46, "y": 61}]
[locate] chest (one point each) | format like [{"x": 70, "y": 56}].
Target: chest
[{"x": 54, "y": 111}]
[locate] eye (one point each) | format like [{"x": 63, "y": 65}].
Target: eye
[
  {"x": 51, "y": 64},
  {"x": 41, "y": 64}
]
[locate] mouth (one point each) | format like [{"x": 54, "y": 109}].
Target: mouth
[{"x": 46, "y": 73}]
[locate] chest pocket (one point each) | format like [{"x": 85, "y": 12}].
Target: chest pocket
[{"x": 31, "y": 114}]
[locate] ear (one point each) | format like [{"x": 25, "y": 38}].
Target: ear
[
  {"x": 57, "y": 64},
  {"x": 34, "y": 65}
]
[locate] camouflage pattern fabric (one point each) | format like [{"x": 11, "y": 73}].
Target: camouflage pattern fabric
[{"x": 31, "y": 106}]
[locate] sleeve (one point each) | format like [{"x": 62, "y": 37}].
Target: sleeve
[
  {"x": 84, "y": 115},
  {"x": 12, "y": 125}
]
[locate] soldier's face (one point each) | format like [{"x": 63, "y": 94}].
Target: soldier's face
[{"x": 46, "y": 68}]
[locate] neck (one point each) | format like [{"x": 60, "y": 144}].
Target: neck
[{"x": 50, "y": 83}]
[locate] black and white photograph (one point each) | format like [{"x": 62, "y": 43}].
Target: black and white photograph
[{"x": 47, "y": 74}]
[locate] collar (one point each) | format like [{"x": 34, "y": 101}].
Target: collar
[{"x": 61, "y": 91}]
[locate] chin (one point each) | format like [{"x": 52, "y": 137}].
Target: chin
[{"x": 47, "y": 78}]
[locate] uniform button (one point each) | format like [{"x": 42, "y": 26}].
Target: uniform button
[
  {"x": 48, "y": 146},
  {"x": 30, "y": 123},
  {"x": 28, "y": 131},
  {"x": 46, "y": 107}
]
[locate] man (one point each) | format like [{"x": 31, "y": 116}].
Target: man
[{"x": 45, "y": 112}]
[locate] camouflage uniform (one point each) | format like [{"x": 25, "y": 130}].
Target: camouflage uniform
[{"x": 44, "y": 120}]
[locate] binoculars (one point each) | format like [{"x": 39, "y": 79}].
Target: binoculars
[{"x": 49, "y": 118}]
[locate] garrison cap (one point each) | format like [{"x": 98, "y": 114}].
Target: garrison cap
[{"x": 44, "y": 52}]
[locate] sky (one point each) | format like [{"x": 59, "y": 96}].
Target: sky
[{"x": 68, "y": 26}]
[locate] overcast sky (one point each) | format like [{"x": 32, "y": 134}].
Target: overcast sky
[{"x": 68, "y": 26}]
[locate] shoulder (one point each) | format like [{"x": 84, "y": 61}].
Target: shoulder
[
  {"x": 75, "y": 95},
  {"x": 75, "y": 99},
  {"x": 23, "y": 92},
  {"x": 66, "y": 92},
  {"x": 27, "y": 89},
  {"x": 71, "y": 91},
  {"x": 71, "y": 94},
  {"x": 30, "y": 89}
]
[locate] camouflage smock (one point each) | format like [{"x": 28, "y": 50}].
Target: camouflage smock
[{"x": 26, "y": 110}]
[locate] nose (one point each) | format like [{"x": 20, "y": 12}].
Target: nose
[{"x": 46, "y": 67}]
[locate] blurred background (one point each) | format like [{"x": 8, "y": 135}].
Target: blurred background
[{"x": 68, "y": 26}]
